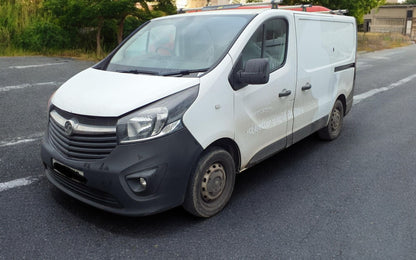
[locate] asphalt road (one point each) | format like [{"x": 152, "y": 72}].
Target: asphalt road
[{"x": 351, "y": 198}]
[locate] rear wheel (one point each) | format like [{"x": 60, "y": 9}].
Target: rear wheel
[
  {"x": 212, "y": 183},
  {"x": 336, "y": 118}
]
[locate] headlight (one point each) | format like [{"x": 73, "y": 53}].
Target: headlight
[{"x": 157, "y": 119}]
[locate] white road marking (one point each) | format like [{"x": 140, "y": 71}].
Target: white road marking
[
  {"x": 365, "y": 95},
  {"x": 36, "y": 65},
  {"x": 8, "y": 88},
  {"x": 4, "y": 144},
  {"x": 17, "y": 183},
  {"x": 22, "y": 140},
  {"x": 380, "y": 58},
  {"x": 395, "y": 53},
  {"x": 23, "y": 181}
]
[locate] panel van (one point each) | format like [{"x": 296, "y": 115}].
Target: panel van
[{"x": 188, "y": 101}]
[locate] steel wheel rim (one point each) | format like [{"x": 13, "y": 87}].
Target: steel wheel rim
[
  {"x": 335, "y": 120},
  {"x": 213, "y": 182}
]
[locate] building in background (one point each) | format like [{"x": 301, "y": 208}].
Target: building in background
[{"x": 392, "y": 19}]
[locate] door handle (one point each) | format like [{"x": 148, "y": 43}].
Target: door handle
[
  {"x": 307, "y": 86},
  {"x": 285, "y": 93}
]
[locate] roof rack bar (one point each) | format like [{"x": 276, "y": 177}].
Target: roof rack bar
[
  {"x": 274, "y": 4},
  {"x": 220, "y": 7},
  {"x": 210, "y": 8},
  {"x": 295, "y": 6},
  {"x": 259, "y": 3},
  {"x": 339, "y": 11},
  {"x": 184, "y": 10}
]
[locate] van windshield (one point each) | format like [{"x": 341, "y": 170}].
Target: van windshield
[{"x": 179, "y": 45}]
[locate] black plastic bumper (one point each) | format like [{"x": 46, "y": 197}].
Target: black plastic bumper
[{"x": 112, "y": 184}]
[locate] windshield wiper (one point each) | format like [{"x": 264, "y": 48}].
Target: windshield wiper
[
  {"x": 139, "y": 72},
  {"x": 181, "y": 72},
  {"x": 167, "y": 73}
]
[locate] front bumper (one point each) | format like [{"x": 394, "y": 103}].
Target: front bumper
[{"x": 111, "y": 183}]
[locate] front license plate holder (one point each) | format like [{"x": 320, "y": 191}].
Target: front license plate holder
[{"x": 68, "y": 171}]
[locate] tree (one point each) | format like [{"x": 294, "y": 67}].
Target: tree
[
  {"x": 166, "y": 6},
  {"x": 411, "y": 2},
  {"x": 356, "y": 8},
  {"x": 78, "y": 15},
  {"x": 85, "y": 20},
  {"x": 121, "y": 9}
]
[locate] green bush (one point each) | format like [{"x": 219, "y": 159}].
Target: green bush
[
  {"x": 4, "y": 37},
  {"x": 130, "y": 24},
  {"x": 50, "y": 26},
  {"x": 43, "y": 36},
  {"x": 166, "y": 6},
  {"x": 109, "y": 36},
  {"x": 9, "y": 23}
]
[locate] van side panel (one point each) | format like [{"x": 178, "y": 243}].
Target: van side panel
[{"x": 326, "y": 64}]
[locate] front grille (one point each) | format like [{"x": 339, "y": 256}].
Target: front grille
[
  {"x": 85, "y": 191},
  {"x": 83, "y": 145}
]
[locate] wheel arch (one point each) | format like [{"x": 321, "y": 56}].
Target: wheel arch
[
  {"x": 343, "y": 100},
  {"x": 231, "y": 147}
]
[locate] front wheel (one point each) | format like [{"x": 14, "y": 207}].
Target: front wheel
[
  {"x": 212, "y": 183},
  {"x": 336, "y": 118}
]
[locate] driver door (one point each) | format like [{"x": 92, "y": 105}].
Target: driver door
[{"x": 263, "y": 112}]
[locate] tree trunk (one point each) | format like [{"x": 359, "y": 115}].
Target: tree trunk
[
  {"x": 120, "y": 30},
  {"x": 100, "y": 26}
]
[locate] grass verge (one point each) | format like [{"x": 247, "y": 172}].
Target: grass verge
[
  {"x": 76, "y": 54},
  {"x": 380, "y": 41}
]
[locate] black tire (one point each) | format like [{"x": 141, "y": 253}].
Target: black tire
[
  {"x": 334, "y": 127},
  {"x": 212, "y": 183}
]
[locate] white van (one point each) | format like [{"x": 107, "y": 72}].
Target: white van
[{"x": 189, "y": 100}]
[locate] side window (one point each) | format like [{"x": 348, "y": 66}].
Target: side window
[
  {"x": 275, "y": 38},
  {"x": 269, "y": 41},
  {"x": 253, "y": 48}
]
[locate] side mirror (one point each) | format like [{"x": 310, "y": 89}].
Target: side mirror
[{"x": 256, "y": 71}]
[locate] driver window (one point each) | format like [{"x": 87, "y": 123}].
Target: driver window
[{"x": 269, "y": 41}]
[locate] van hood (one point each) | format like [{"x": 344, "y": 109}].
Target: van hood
[{"x": 95, "y": 92}]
